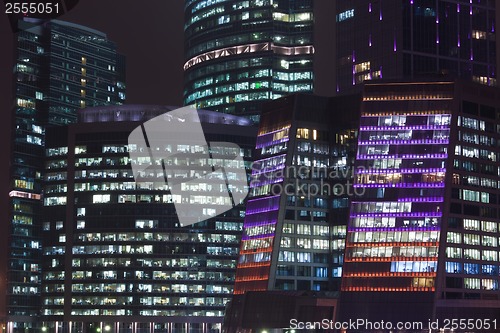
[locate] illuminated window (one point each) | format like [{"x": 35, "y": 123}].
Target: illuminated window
[
  {"x": 489, "y": 284},
  {"x": 478, "y": 34},
  {"x": 472, "y": 283},
  {"x": 101, "y": 198},
  {"x": 471, "y": 253},
  {"x": 303, "y": 229},
  {"x": 321, "y": 244},
  {"x": 469, "y": 195},
  {"x": 345, "y": 15},
  {"x": 26, "y": 103},
  {"x": 80, "y": 150},
  {"x": 489, "y": 255},
  {"x": 54, "y": 201},
  {"x": 285, "y": 242},
  {"x": 453, "y": 252},
  {"x": 488, "y": 226},
  {"x": 453, "y": 267},
  {"x": 303, "y": 257},
  {"x": 23, "y": 184},
  {"x": 471, "y": 224},
  {"x": 80, "y": 211},
  {"x": 489, "y": 241},
  {"x": 362, "y": 67},
  {"x": 471, "y": 239},
  {"x": 337, "y": 272},
  {"x": 124, "y": 198},
  {"x": 423, "y": 282},
  {"x": 288, "y": 228},
  {"x": 453, "y": 237},
  {"x": 303, "y": 243},
  {"x": 489, "y": 269},
  {"x": 34, "y": 139},
  {"x": 286, "y": 256}
]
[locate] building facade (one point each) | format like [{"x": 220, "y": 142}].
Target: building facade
[
  {"x": 241, "y": 53},
  {"x": 60, "y": 67},
  {"x": 115, "y": 257},
  {"x": 414, "y": 38},
  {"x": 422, "y": 239},
  {"x": 296, "y": 215}
]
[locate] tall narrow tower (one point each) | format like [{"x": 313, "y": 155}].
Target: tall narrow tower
[{"x": 60, "y": 67}]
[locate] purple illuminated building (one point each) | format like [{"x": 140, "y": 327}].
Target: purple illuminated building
[
  {"x": 295, "y": 223},
  {"x": 422, "y": 239}
]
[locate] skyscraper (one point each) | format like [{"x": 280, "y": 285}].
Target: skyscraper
[
  {"x": 422, "y": 239},
  {"x": 241, "y": 53},
  {"x": 292, "y": 248},
  {"x": 296, "y": 216},
  {"x": 60, "y": 67},
  {"x": 115, "y": 257},
  {"x": 414, "y": 38}
]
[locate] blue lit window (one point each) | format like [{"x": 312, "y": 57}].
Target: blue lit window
[{"x": 345, "y": 15}]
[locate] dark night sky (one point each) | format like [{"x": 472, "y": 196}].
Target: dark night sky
[{"x": 149, "y": 33}]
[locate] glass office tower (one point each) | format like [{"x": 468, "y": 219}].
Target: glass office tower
[
  {"x": 114, "y": 255},
  {"x": 413, "y": 38},
  {"x": 296, "y": 216},
  {"x": 422, "y": 238},
  {"x": 60, "y": 67},
  {"x": 241, "y": 53}
]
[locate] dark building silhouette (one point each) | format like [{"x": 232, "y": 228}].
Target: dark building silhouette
[{"x": 415, "y": 38}]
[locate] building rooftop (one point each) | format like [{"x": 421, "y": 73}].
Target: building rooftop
[{"x": 139, "y": 112}]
